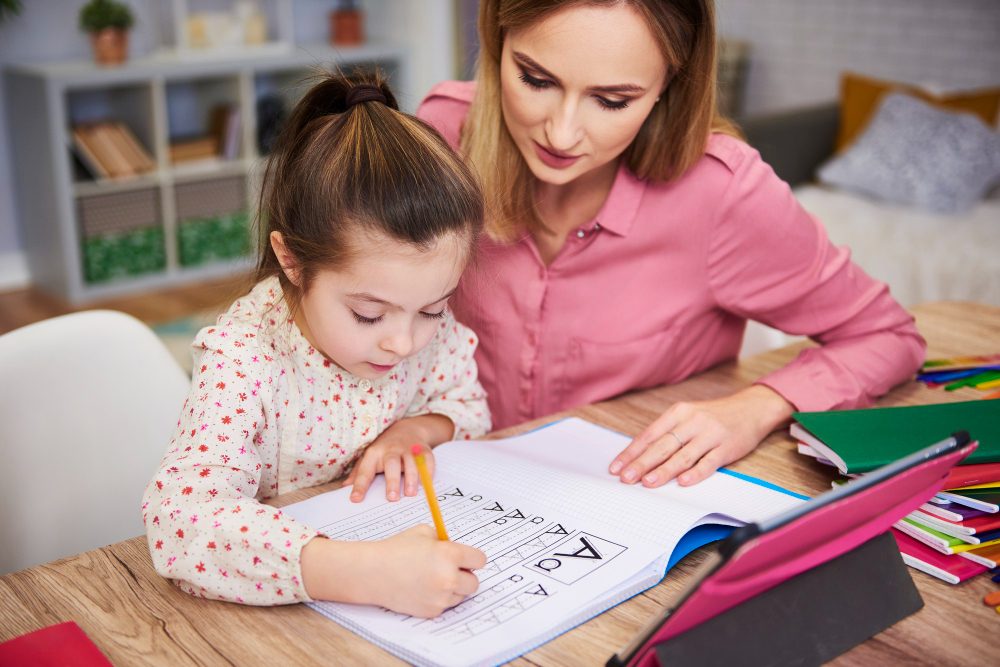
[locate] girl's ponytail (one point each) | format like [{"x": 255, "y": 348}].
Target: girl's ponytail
[{"x": 349, "y": 161}]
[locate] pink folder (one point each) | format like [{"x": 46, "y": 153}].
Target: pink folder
[
  {"x": 803, "y": 543},
  {"x": 951, "y": 568}
]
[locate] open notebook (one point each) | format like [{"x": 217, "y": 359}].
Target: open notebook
[{"x": 564, "y": 539}]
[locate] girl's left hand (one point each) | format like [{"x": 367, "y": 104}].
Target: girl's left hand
[
  {"x": 390, "y": 453},
  {"x": 691, "y": 440}
]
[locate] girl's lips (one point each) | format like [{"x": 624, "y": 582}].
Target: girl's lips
[
  {"x": 381, "y": 369},
  {"x": 554, "y": 160}
]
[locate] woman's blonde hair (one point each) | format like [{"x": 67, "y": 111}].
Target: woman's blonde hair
[{"x": 669, "y": 142}]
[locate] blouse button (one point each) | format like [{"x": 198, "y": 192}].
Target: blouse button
[
  {"x": 580, "y": 233},
  {"x": 364, "y": 385},
  {"x": 367, "y": 419}
]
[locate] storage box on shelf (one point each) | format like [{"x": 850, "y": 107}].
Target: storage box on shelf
[{"x": 89, "y": 237}]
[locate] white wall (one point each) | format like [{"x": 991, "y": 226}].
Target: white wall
[
  {"x": 47, "y": 30},
  {"x": 800, "y": 47}
]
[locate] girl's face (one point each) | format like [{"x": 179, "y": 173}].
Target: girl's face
[
  {"x": 382, "y": 308},
  {"x": 577, "y": 86}
]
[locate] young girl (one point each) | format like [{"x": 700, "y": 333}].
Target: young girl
[{"x": 344, "y": 349}]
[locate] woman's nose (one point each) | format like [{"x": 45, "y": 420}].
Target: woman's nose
[{"x": 563, "y": 128}]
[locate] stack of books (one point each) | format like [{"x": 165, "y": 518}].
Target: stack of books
[
  {"x": 956, "y": 535},
  {"x": 108, "y": 149},
  {"x": 221, "y": 142},
  {"x": 981, "y": 372}
]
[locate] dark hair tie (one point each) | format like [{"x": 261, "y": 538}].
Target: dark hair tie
[{"x": 364, "y": 92}]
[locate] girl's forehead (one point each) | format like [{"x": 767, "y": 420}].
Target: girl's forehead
[{"x": 401, "y": 274}]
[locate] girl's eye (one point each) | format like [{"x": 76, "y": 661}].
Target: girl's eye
[
  {"x": 433, "y": 316},
  {"x": 533, "y": 82},
  {"x": 608, "y": 104},
  {"x": 366, "y": 320}
]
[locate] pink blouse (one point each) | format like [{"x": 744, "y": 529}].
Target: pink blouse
[{"x": 660, "y": 284}]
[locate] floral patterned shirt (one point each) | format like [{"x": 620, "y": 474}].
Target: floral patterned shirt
[{"x": 268, "y": 414}]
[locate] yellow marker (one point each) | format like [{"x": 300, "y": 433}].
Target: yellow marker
[
  {"x": 432, "y": 501},
  {"x": 990, "y": 384}
]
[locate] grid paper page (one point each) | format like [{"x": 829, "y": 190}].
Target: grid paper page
[
  {"x": 545, "y": 572},
  {"x": 564, "y": 466}
]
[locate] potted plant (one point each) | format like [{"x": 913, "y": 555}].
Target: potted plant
[{"x": 108, "y": 23}]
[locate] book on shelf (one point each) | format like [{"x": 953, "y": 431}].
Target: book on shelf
[
  {"x": 564, "y": 539},
  {"x": 225, "y": 125},
  {"x": 198, "y": 148},
  {"x": 109, "y": 149}
]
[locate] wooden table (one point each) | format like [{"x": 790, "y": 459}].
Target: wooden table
[{"x": 136, "y": 617}]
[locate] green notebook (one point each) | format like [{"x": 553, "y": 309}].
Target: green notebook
[{"x": 862, "y": 440}]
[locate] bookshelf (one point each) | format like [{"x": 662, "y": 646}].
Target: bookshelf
[{"x": 89, "y": 238}]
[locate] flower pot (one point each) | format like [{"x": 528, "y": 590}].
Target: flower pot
[{"x": 110, "y": 46}]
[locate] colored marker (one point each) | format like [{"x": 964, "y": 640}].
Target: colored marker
[
  {"x": 993, "y": 395},
  {"x": 428, "y": 484}
]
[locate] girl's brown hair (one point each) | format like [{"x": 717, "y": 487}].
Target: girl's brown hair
[
  {"x": 670, "y": 141},
  {"x": 338, "y": 170}
]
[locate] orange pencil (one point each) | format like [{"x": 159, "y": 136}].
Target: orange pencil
[
  {"x": 993, "y": 395},
  {"x": 428, "y": 484}
]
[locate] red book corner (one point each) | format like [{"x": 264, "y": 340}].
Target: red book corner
[{"x": 54, "y": 646}]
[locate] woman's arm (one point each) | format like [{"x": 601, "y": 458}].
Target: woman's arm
[{"x": 771, "y": 261}]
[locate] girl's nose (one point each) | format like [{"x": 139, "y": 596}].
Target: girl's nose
[
  {"x": 563, "y": 128},
  {"x": 399, "y": 343}
]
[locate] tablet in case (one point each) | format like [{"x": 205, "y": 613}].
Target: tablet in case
[{"x": 807, "y": 585}]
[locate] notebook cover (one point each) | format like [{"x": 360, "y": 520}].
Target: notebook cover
[
  {"x": 54, "y": 646},
  {"x": 957, "y": 566},
  {"x": 869, "y": 439},
  {"x": 990, "y": 553},
  {"x": 966, "y": 475},
  {"x": 813, "y": 539}
]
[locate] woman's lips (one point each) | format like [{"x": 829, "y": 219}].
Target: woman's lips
[{"x": 554, "y": 160}]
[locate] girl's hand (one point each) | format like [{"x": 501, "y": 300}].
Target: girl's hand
[
  {"x": 390, "y": 453},
  {"x": 693, "y": 440},
  {"x": 411, "y": 572}
]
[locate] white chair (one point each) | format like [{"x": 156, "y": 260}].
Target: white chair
[{"x": 88, "y": 402}]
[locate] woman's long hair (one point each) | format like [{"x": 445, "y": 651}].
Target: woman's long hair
[{"x": 669, "y": 142}]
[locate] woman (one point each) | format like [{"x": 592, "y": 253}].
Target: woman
[{"x": 635, "y": 235}]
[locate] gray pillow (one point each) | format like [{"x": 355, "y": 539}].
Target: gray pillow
[{"x": 918, "y": 155}]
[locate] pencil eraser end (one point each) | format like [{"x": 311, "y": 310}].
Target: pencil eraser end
[{"x": 416, "y": 450}]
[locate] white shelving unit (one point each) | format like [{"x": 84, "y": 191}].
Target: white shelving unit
[{"x": 46, "y": 99}]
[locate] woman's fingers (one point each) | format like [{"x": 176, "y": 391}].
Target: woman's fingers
[
  {"x": 661, "y": 426},
  {"x": 655, "y": 454},
  {"x": 393, "y": 466},
  {"x": 683, "y": 459},
  {"x": 709, "y": 463}
]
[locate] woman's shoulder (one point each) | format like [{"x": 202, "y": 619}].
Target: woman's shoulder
[
  {"x": 446, "y": 106},
  {"x": 734, "y": 154}
]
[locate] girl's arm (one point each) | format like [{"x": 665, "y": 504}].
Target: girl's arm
[
  {"x": 205, "y": 529},
  {"x": 771, "y": 261}
]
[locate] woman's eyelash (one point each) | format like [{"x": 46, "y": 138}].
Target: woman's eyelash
[
  {"x": 433, "y": 316},
  {"x": 366, "y": 320},
  {"x": 608, "y": 104},
  {"x": 533, "y": 82},
  {"x": 542, "y": 84}
]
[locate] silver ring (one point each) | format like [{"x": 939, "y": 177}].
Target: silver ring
[{"x": 679, "y": 441}]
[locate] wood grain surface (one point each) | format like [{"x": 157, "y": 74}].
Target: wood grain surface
[{"x": 136, "y": 617}]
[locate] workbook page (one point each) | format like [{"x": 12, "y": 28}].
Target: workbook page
[
  {"x": 546, "y": 571},
  {"x": 565, "y": 466}
]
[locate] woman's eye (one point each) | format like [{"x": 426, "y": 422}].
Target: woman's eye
[
  {"x": 608, "y": 104},
  {"x": 366, "y": 320},
  {"x": 433, "y": 316},
  {"x": 533, "y": 82}
]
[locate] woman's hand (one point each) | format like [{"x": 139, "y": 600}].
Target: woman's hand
[
  {"x": 411, "y": 572},
  {"x": 692, "y": 440},
  {"x": 390, "y": 453}
]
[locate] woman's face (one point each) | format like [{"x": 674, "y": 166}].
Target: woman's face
[{"x": 577, "y": 86}]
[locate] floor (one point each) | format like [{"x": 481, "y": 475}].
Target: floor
[{"x": 23, "y": 307}]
